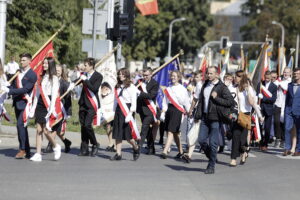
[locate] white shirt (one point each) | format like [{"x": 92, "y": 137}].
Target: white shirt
[
  {"x": 207, "y": 92},
  {"x": 181, "y": 96},
  {"x": 22, "y": 73},
  {"x": 198, "y": 90},
  {"x": 89, "y": 75},
  {"x": 243, "y": 102},
  {"x": 267, "y": 84},
  {"x": 11, "y": 67},
  {"x": 51, "y": 88},
  {"x": 129, "y": 95},
  {"x": 282, "y": 85}
]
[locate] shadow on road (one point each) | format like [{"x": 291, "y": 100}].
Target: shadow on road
[{"x": 183, "y": 168}]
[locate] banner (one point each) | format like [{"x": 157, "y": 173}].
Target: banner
[
  {"x": 37, "y": 62},
  {"x": 163, "y": 79},
  {"x": 147, "y": 7}
]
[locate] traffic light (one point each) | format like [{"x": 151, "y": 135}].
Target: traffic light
[
  {"x": 123, "y": 23},
  {"x": 224, "y": 41}
]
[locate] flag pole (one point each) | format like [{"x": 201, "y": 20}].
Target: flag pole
[
  {"x": 181, "y": 52},
  {"x": 45, "y": 44},
  {"x": 104, "y": 58}
]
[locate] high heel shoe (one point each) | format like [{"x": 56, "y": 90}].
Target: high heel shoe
[
  {"x": 116, "y": 157},
  {"x": 233, "y": 163},
  {"x": 243, "y": 158}
]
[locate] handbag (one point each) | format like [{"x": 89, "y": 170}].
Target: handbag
[
  {"x": 243, "y": 120},
  {"x": 193, "y": 134}
]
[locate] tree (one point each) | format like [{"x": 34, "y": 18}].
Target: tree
[
  {"x": 31, "y": 22},
  {"x": 150, "y": 38},
  {"x": 261, "y": 16}
]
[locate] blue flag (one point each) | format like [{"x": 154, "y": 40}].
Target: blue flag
[{"x": 163, "y": 79}]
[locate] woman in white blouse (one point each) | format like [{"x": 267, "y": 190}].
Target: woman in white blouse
[
  {"x": 121, "y": 128},
  {"x": 172, "y": 111},
  {"x": 246, "y": 101},
  {"x": 49, "y": 85}
]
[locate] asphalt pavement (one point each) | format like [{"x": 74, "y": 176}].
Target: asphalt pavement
[{"x": 264, "y": 176}]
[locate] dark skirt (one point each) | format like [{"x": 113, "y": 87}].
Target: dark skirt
[
  {"x": 121, "y": 130},
  {"x": 41, "y": 112},
  {"x": 173, "y": 119}
]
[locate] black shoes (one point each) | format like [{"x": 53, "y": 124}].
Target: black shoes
[
  {"x": 116, "y": 157},
  {"x": 95, "y": 148},
  {"x": 178, "y": 156},
  {"x": 48, "y": 148},
  {"x": 84, "y": 150},
  {"x": 68, "y": 144},
  {"x": 186, "y": 158},
  {"x": 110, "y": 148},
  {"x": 136, "y": 154},
  {"x": 151, "y": 151},
  {"x": 163, "y": 156},
  {"x": 209, "y": 171},
  {"x": 221, "y": 149}
]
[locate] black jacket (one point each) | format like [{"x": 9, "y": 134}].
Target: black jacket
[
  {"x": 152, "y": 90},
  {"x": 223, "y": 99},
  {"x": 67, "y": 100},
  {"x": 267, "y": 104},
  {"x": 93, "y": 84}
]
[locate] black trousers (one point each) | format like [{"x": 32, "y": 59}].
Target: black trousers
[
  {"x": 239, "y": 140},
  {"x": 86, "y": 116},
  {"x": 146, "y": 131},
  {"x": 268, "y": 123},
  {"x": 278, "y": 126},
  {"x": 22, "y": 132}
]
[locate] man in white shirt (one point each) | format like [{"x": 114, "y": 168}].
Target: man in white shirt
[
  {"x": 279, "y": 106},
  {"x": 11, "y": 68}
]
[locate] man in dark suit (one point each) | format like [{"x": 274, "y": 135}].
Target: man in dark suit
[
  {"x": 91, "y": 81},
  {"x": 28, "y": 78},
  {"x": 143, "y": 109},
  {"x": 268, "y": 99},
  {"x": 292, "y": 113}
]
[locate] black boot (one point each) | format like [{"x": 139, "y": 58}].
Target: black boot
[
  {"x": 95, "y": 149},
  {"x": 84, "y": 149},
  {"x": 48, "y": 148},
  {"x": 67, "y": 145}
]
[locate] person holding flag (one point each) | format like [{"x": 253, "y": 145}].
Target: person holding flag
[
  {"x": 66, "y": 104},
  {"x": 89, "y": 107},
  {"x": 46, "y": 112},
  {"x": 176, "y": 103},
  {"x": 124, "y": 125},
  {"x": 21, "y": 89},
  {"x": 147, "y": 108},
  {"x": 267, "y": 92}
]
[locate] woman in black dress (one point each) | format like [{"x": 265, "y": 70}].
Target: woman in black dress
[
  {"x": 48, "y": 88},
  {"x": 126, "y": 91}
]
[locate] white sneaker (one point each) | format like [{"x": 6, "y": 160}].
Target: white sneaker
[
  {"x": 57, "y": 152},
  {"x": 36, "y": 157}
]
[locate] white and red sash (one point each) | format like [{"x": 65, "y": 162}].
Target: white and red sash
[
  {"x": 150, "y": 104},
  {"x": 283, "y": 85},
  {"x": 93, "y": 100},
  {"x": 171, "y": 97},
  {"x": 57, "y": 114},
  {"x": 132, "y": 123},
  {"x": 28, "y": 98},
  {"x": 266, "y": 92}
]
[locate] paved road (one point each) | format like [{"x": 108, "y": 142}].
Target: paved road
[{"x": 264, "y": 176}]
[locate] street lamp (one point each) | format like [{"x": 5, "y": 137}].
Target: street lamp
[
  {"x": 282, "y": 31},
  {"x": 170, "y": 33}
]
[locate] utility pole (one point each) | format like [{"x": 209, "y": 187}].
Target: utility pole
[
  {"x": 3, "y": 8},
  {"x": 94, "y": 28},
  {"x": 119, "y": 51}
]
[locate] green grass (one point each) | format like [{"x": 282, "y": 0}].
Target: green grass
[{"x": 73, "y": 124}]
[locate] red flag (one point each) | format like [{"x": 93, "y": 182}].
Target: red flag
[
  {"x": 37, "y": 62},
  {"x": 203, "y": 67},
  {"x": 147, "y": 7}
]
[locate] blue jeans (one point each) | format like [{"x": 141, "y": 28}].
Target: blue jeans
[
  {"x": 209, "y": 130},
  {"x": 290, "y": 121}
]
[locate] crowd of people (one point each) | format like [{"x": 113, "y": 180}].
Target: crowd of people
[{"x": 228, "y": 110}]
